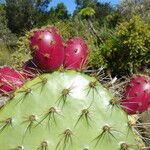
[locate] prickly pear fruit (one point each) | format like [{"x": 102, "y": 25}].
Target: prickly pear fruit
[
  {"x": 47, "y": 49},
  {"x": 137, "y": 95},
  {"x": 76, "y": 52},
  {"x": 10, "y": 79},
  {"x": 64, "y": 111},
  {"x": 30, "y": 69}
]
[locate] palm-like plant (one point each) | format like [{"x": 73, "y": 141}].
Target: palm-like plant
[{"x": 87, "y": 12}]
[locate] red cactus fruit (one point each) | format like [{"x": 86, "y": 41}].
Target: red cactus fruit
[
  {"x": 47, "y": 49},
  {"x": 10, "y": 79},
  {"x": 30, "y": 69},
  {"x": 76, "y": 52},
  {"x": 137, "y": 95}
]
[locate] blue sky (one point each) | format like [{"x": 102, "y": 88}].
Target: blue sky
[{"x": 71, "y": 5}]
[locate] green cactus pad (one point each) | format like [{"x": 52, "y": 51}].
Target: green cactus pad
[{"x": 64, "y": 111}]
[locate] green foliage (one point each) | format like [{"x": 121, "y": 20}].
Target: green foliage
[
  {"x": 21, "y": 54},
  {"x": 22, "y": 15},
  {"x": 57, "y": 14},
  {"x": 102, "y": 11},
  {"x": 96, "y": 60},
  {"x": 96, "y": 57},
  {"x": 65, "y": 111},
  {"x": 128, "y": 8},
  {"x": 98, "y": 9},
  {"x": 4, "y": 54},
  {"x": 88, "y": 11},
  {"x": 113, "y": 19},
  {"x": 62, "y": 12},
  {"x": 129, "y": 49},
  {"x": 6, "y": 37},
  {"x": 85, "y": 3}
]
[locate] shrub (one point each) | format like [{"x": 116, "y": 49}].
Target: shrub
[{"x": 129, "y": 49}]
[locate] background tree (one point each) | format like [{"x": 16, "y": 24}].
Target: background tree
[
  {"x": 22, "y": 15},
  {"x": 85, "y": 3},
  {"x": 58, "y": 13},
  {"x": 135, "y": 7},
  {"x": 6, "y": 37},
  {"x": 101, "y": 9}
]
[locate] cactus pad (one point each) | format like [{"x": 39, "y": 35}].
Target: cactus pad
[{"x": 64, "y": 111}]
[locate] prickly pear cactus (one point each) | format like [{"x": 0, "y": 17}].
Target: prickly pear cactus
[{"x": 64, "y": 111}]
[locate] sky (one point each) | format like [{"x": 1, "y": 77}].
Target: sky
[{"x": 71, "y": 5}]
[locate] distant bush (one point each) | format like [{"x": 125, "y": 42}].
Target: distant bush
[
  {"x": 4, "y": 54},
  {"x": 21, "y": 54},
  {"x": 129, "y": 49},
  {"x": 7, "y": 38},
  {"x": 113, "y": 19},
  {"x": 128, "y": 8}
]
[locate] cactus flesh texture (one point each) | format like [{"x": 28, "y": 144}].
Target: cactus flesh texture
[{"x": 64, "y": 111}]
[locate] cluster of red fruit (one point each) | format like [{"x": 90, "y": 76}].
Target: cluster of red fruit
[{"x": 50, "y": 53}]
